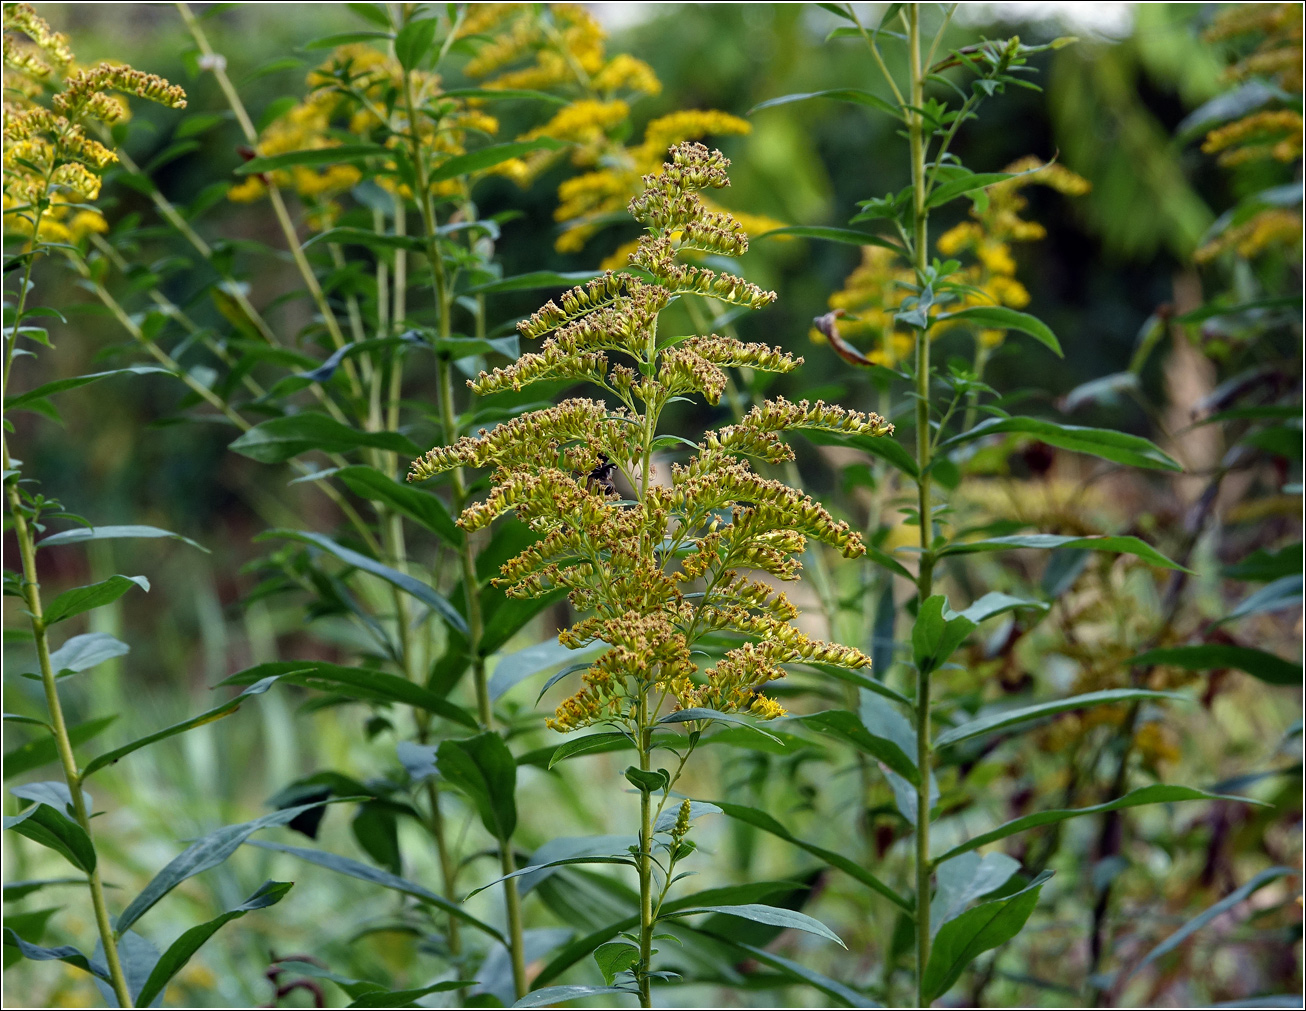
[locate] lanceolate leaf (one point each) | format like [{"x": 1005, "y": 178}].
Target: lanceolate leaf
[
  {"x": 1256, "y": 662},
  {"x": 762, "y": 820},
  {"x": 106, "y": 533},
  {"x": 60, "y": 385},
  {"x": 54, "y": 830},
  {"x": 364, "y": 872},
  {"x": 574, "y": 746},
  {"x": 279, "y": 439},
  {"x": 206, "y": 853},
  {"x": 854, "y": 95},
  {"x": 1282, "y": 593},
  {"x": 1011, "y": 717},
  {"x": 180, "y": 951},
  {"x": 773, "y": 915},
  {"x": 1202, "y": 919},
  {"x": 1156, "y": 794},
  {"x": 216, "y": 713},
  {"x": 357, "y": 682},
  {"x": 64, "y": 953},
  {"x": 976, "y": 931},
  {"x": 847, "y": 727},
  {"x": 848, "y": 236},
  {"x": 82, "y": 652},
  {"x": 551, "y": 995},
  {"x": 419, "y": 506},
  {"x": 1117, "y": 447},
  {"x": 43, "y": 750},
  {"x": 532, "y": 281},
  {"x": 1002, "y": 318},
  {"x": 314, "y": 156},
  {"x": 883, "y": 446},
  {"x": 1048, "y": 542},
  {"x": 484, "y": 769},
  {"x": 488, "y": 157},
  {"x": 73, "y": 602},
  {"x": 812, "y": 978},
  {"x": 410, "y": 585}
]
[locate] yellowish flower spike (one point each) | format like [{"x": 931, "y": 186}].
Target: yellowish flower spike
[
  {"x": 566, "y": 46},
  {"x": 660, "y": 569},
  {"x": 50, "y": 159}
]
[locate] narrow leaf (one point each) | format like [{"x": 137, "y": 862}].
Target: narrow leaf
[
  {"x": 1118, "y": 447},
  {"x": 1048, "y": 542},
  {"x": 73, "y": 602},
  {"x": 1209, "y": 656},
  {"x": 1002, "y": 318},
  {"x": 1011, "y": 717},
  {"x": 106, "y": 533},
  {"x": 774, "y": 916}
]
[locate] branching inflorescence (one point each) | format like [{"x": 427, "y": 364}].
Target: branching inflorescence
[{"x": 683, "y": 557}]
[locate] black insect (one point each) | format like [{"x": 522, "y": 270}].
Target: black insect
[{"x": 602, "y": 476}]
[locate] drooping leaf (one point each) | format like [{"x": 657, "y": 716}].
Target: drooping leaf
[
  {"x": 71, "y": 603},
  {"x": 1011, "y": 717},
  {"x": 374, "y": 875},
  {"x": 847, "y": 236},
  {"x": 1118, "y": 447},
  {"x": 1157, "y": 793},
  {"x": 279, "y": 439},
  {"x": 994, "y": 603},
  {"x": 964, "y": 879},
  {"x": 801, "y": 973},
  {"x": 412, "y": 586},
  {"x": 60, "y": 385},
  {"x": 700, "y": 713},
  {"x": 483, "y": 768},
  {"x": 606, "y": 741},
  {"x": 1208, "y": 656},
  {"x": 419, "y": 506},
  {"x": 532, "y": 281},
  {"x": 883, "y": 446},
  {"x": 1050, "y": 542},
  {"x": 64, "y": 953},
  {"x": 361, "y": 683},
  {"x": 550, "y": 995},
  {"x": 50, "y": 827},
  {"x": 43, "y": 750},
  {"x": 856, "y": 96},
  {"x": 846, "y": 726},
  {"x": 133, "y": 531},
  {"x": 937, "y": 633},
  {"x": 82, "y": 652},
  {"x": 488, "y": 157},
  {"x": 210, "y": 716},
  {"x": 775, "y": 916},
  {"x": 999, "y": 317},
  {"x": 1206, "y": 916},
  {"x": 614, "y": 958},
  {"x": 180, "y": 951},
  {"x": 1276, "y": 596},
  {"x": 976, "y": 931},
  {"x": 515, "y": 668}
]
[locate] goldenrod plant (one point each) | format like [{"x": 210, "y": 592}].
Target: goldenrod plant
[
  {"x": 911, "y": 297},
  {"x": 53, "y": 165},
  {"x": 673, "y": 563}
]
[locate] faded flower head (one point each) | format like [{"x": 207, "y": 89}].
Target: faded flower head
[
  {"x": 684, "y": 558},
  {"x": 50, "y": 160}
]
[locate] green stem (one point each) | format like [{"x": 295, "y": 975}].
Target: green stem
[
  {"x": 513, "y": 898},
  {"x": 63, "y": 744},
  {"x": 645, "y": 868},
  {"x": 925, "y": 579}
]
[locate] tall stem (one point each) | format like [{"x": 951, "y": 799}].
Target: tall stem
[
  {"x": 645, "y": 866},
  {"x": 925, "y": 579},
  {"x": 63, "y": 744}
]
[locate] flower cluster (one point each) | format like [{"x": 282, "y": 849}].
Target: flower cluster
[
  {"x": 51, "y": 162},
  {"x": 676, "y": 559},
  {"x": 356, "y": 91},
  {"x": 1262, "y": 134},
  {"x": 565, "y": 51}
]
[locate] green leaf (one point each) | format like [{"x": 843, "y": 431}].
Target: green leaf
[
  {"x": 1275, "y": 596},
  {"x": 847, "y": 727},
  {"x": 700, "y": 713},
  {"x": 811, "y": 977},
  {"x": 883, "y": 446},
  {"x": 414, "y": 41},
  {"x": 504, "y": 94},
  {"x": 73, "y": 602},
  {"x": 408, "y": 998},
  {"x": 615, "y": 957},
  {"x": 774, "y": 916},
  {"x": 608, "y": 741},
  {"x": 1266, "y": 566},
  {"x": 413, "y": 587},
  {"x": 64, "y": 953},
  {"x": 1117, "y": 447},
  {"x": 1158, "y": 793},
  {"x": 1011, "y": 717},
  {"x": 968, "y": 183},
  {"x": 349, "y": 236},
  {"x": 993, "y": 603},
  {"x": 854, "y": 95},
  {"x": 648, "y": 780},
  {"x": 348, "y": 38},
  {"x": 532, "y": 281},
  {"x": 42, "y": 751},
  {"x": 419, "y": 506},
  {"x": 278, "y": 439},
  {"x": 976, "y": 931},
  {"x": 849, "y": 236},
  {"x": 515, "y": 668},
  {"x": 1000, "y": 317},
  {"x": 1202, "y": 919},
  {"x": 206, "y": 853},
  {"x": 488, "y": 157},
  {"x": 964, "y": 879},
  {"x": 1048, "y": 542},
  {"x": 937, "y": 633},
  {"x": 315, "y": 156},
  {"x": 483, "y": 768},
  {"x": 550, "y": 995},
  {"x": 364, "y": 872},
  {"x": 534, "y": 870},
  {"x": 51, "y": 828},
  {"x": 60, "y": 385},
  {"x": 362, "y": 683},
  {"x": 82, "y": 652},
  {"x": 216, "y": 713},
  {"x": 180, "y": 951},
  {"x": 107, "y": 533},
  {"x": 1209, "y": 656},
  {"x": 762, "y": 820}
]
